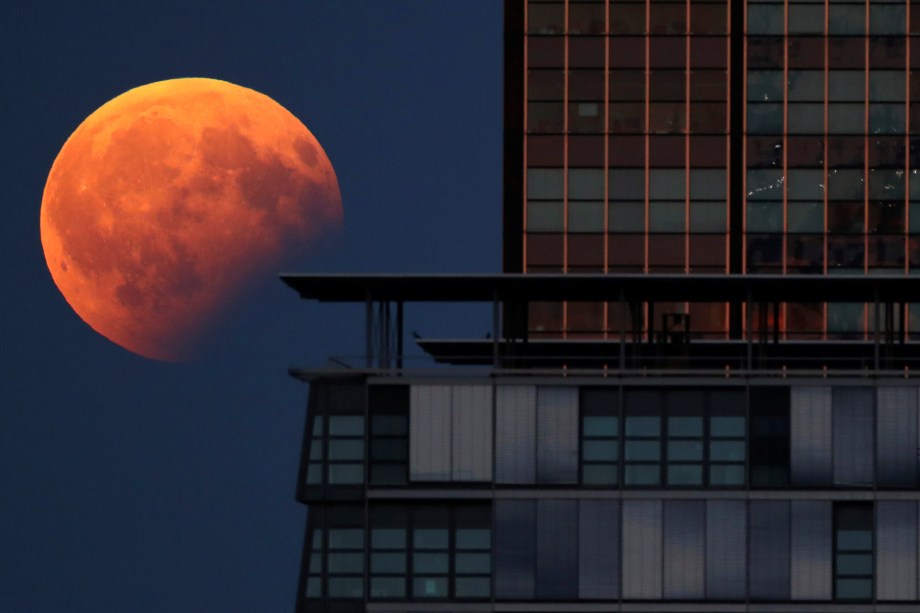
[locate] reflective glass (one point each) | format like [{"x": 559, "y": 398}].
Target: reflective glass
[
  {"x": 346, "y": 473},
  {"x": 599, "y": 474},
  {"x": 388, "y": 538},
  {"x": 346, "y": 587},
  {"x": 429, "y": 587},
  {"x": 685, "y": 426},
  {"x": 346, "y": 425},
  {"x": 472, "y": 587},
  {"x": 642, "y": 450},
  {"x": 854, "y": 564},
  {"x": 601, "y": 450},
  {"x": 545, "y": 183},
  {"x": 726, "y": 451},
  {"x": 726, "y": 426},
  {"x": 430, "y": 538},
  {"x": 545, "y": 216},
  {"x": 685, "y": 474},
  {"x": 642, "y": 474},
  {"x": 643, "y": 425},
  {"x": 388, "y": 587},
  {"x": 586, "y": 184},
  {"x": 685, "y": 450},
  {"x": 854, "y": 589},
  {"x": 346, "y": 563},
  {"x": 346, "y": 538},
  {"x": 473, "y": 563},
  {"x": 854, "y": 539},
  {"x": 474, "y": 538},
  {"x": 346, "y": 449},
  {"x": 597, "y": 425},
  {"x": 429, "y": 563},
  {"x": 388, "y": 562},
  {"x": 726, "y": 475}
]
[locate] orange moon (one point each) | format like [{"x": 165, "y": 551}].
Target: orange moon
[{"x": 169, "y": 199}]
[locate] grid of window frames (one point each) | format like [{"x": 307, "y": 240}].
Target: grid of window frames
[
  {"x": 430, "y": 552},
  {"x": 682, "y": 438},
  {"x": 626, "y": 139},
  {"x": 336, "y": 553},
  {"x": 625, "y": 148},
  {"x": 335, "y": 452},
  {"x": 854, "y": 559}
]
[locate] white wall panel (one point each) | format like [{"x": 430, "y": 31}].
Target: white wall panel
[
  {"x": 897, "y": 426},
  {"x": 684, "y": 547},
  {"x": 471, "y": 433},
  {"x": 429, "y": 433},
  {"x": 896, "y": 538},
  {"x": 810, "y": 436},
  {"x": 854, "y": 436},
  {"x": 726, "y": 549},
  {"x": 598, "y": 549},
  {"x": 812, "y": 550},
  {"x": 642, "y": 540},
  {"x": 515, "y": 433},
  {"x": 557, "y": 434}
]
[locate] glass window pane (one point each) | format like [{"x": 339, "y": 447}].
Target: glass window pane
[
  {"x": 473, "y": 563},
  {"x": 854, "y": 564},
  {"x": 599, "y": 450},
  {"x": 726, "y": 451},
  {"x": 854, "y": 589},
  {"x": 429, "y": 563},
  {"x": 388, "y": 563},
  {"x": 666, "y": 216},
  {"x": 854, "y": 539},
  {"x": 689, "y": 474},
  {"x": 764, "y": 184},
  {"x": 805, "y": 184},
  {"x": 685, "y": 426},
  {"x": 721, "y": 425},
  {"x": 887, "y": 118},
  {"x": 429, "y": 587},
  {"x": 806, "y": 217},
  {"x": 388, "y": 538},
  {"x": 346, "y": 538},
  {"x": 545, "y": 216},
  {"x": 599, "y": 474},
  {"x": 642, "y": 474},
  {"x": 586, "y": 216},
  {"x": 430, "y": 538},
  {"x": 726, "y": 475},
  {"x": 388, "y": 587},
  {"x": 806, "y": 118},
  {"x": 346, "y": 473},
  {"x": 346, "y": 563},
  {"x": 846, "y": 86},
  {"x": 390, "y": 425},
  {"x": 472, "y": 587},
  {"x": 346, "y": 425},
  {"x": 765, "y": 217},
  {"x": 685, "y": 450},
  {"x": 642, "y": 450},
  {"x": 666, "y": 183},
  {"x": 846, "y": 118},
  {"x": 586, "y": 184},
  {"x": 765, "y": 19},
  {"x": 346, "y": 587},
  {"x": 627, "y": 184},
  {"x": 887, "y": 18},
  {"x": 346, "y": 449},
  {"x": 545, "y": 183},
  {"x": 707, "y": 217},
  {"x": 846, "y": 18},
  {"x": 627, "y": 217},
  {"x": 707, "y": 184},
  {"x": 806, "y": 19},
  {"x": 474, "y": 538},
  {"x": 886, "y": 85},
  {"x": 643, "y": 425},
  {"x": 596, "y": 425},
  {"x": 806, "y": 85}
]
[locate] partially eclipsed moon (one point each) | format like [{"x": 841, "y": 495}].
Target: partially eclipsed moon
[{"x": 169, "y": 199}]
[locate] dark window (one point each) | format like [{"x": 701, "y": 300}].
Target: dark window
[
  {"x": 642, "y": 438},
  {"x": 853, "y": 551},
  {"x": 335, "y": 549},
  {"x": 769, "y": 431},
  {"x": 600, "y": 435},
  {"x": 389, "y": 444},
  {"x": 388, "y": 552}
]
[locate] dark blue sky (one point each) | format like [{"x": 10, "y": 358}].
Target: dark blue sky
[{"x": 133, "y": 485}]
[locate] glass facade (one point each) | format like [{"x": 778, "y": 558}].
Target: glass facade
[{"x": 712, "y": 137}]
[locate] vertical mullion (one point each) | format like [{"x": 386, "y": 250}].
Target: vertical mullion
[
  {"x": 824, "y": 237},
  {"x": 780, "y": 312},
  {"x": 687, "y": 31},
  {"x": 606, "y": 308},
  {"x": 526, "y": 97},
  {"x": 865, "y": 311},
  {"x": 565, "y": 160}
]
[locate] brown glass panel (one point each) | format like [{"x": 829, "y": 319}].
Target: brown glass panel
[
  {"x": 708, "y": 18},
  {"x": 846, "y": 53},
  {"x": 805, "y": 253},
  {"x": 914, "y": 117},
  {"x": 545, "y": 84},
  {"x": 845, "y": 151},
  {"x": 544, "y": 250},
  {"x": 708, "y": 52},
  {"x": 667, "y": 52},
  {"x": 627, "y": 85},
  {"x": 886, "y": 217},
  {"x": 806, "y": 151},
  {"x": 709, "y": 85},
  {"x": 707, "y": 319},
  {"x": 914, "y": 50},
  {"x": 886, "y": 251},
  {"x": 845, "y": 251},
  {"x": 765, "y": 52},
  {"x": 914, "y": 17},
  {"x": 806, "y": 52},
  {"x": 666, "y": 251},
  {"x": 804, "y": 320},
  {"x": 708, "y": 117},
  {"x": 586, "y": 151},
  {"x": 667, "y": 18},
  {"x": 545, "y": 52},
  {"x": 764, "y": 151},
  {"x": 887, "y": 52},
  {"x": 627, "y": 151},
  {"x": 545, "y": 151},
  {"x": 620, "y": 318},
  {"x": 764, "y": 252},
  {"x": 586, "y": 84},
  {"x": 585, "y": 319},
  {"x": 707, "y": 251},
  {"x": 886, "y": 151},
  {"x": 707, "y": 151},
  {"x": 915, "y": 84},
  {"x": 667, "y": 85},
  {"x": 666, "y": 117},
  {"x": 627, "y": 18},
  {"x": 587, "y": 52},
  {"x": 627, "y": 52},
  {"x": 545, "y": 319},
  {"x": 913, "y": 246},
  {"x": 586, "y": 251},
  {"x": 666, "y": 151},
  {"x": 845, "y": 216},
  {"x": 545, "y": 117},
  {"x": 627, "y": 117},
  {"x": 546, "y": 18},
  {"x": 586, "y": 117},
  {"x": 587, "y": 18},
  {"x": 626, "y": 251}
]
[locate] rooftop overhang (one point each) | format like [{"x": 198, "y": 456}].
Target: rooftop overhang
[{"x": 604, "y": 287}]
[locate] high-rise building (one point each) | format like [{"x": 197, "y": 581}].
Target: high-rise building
[{"x": 721, "y": 410}]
